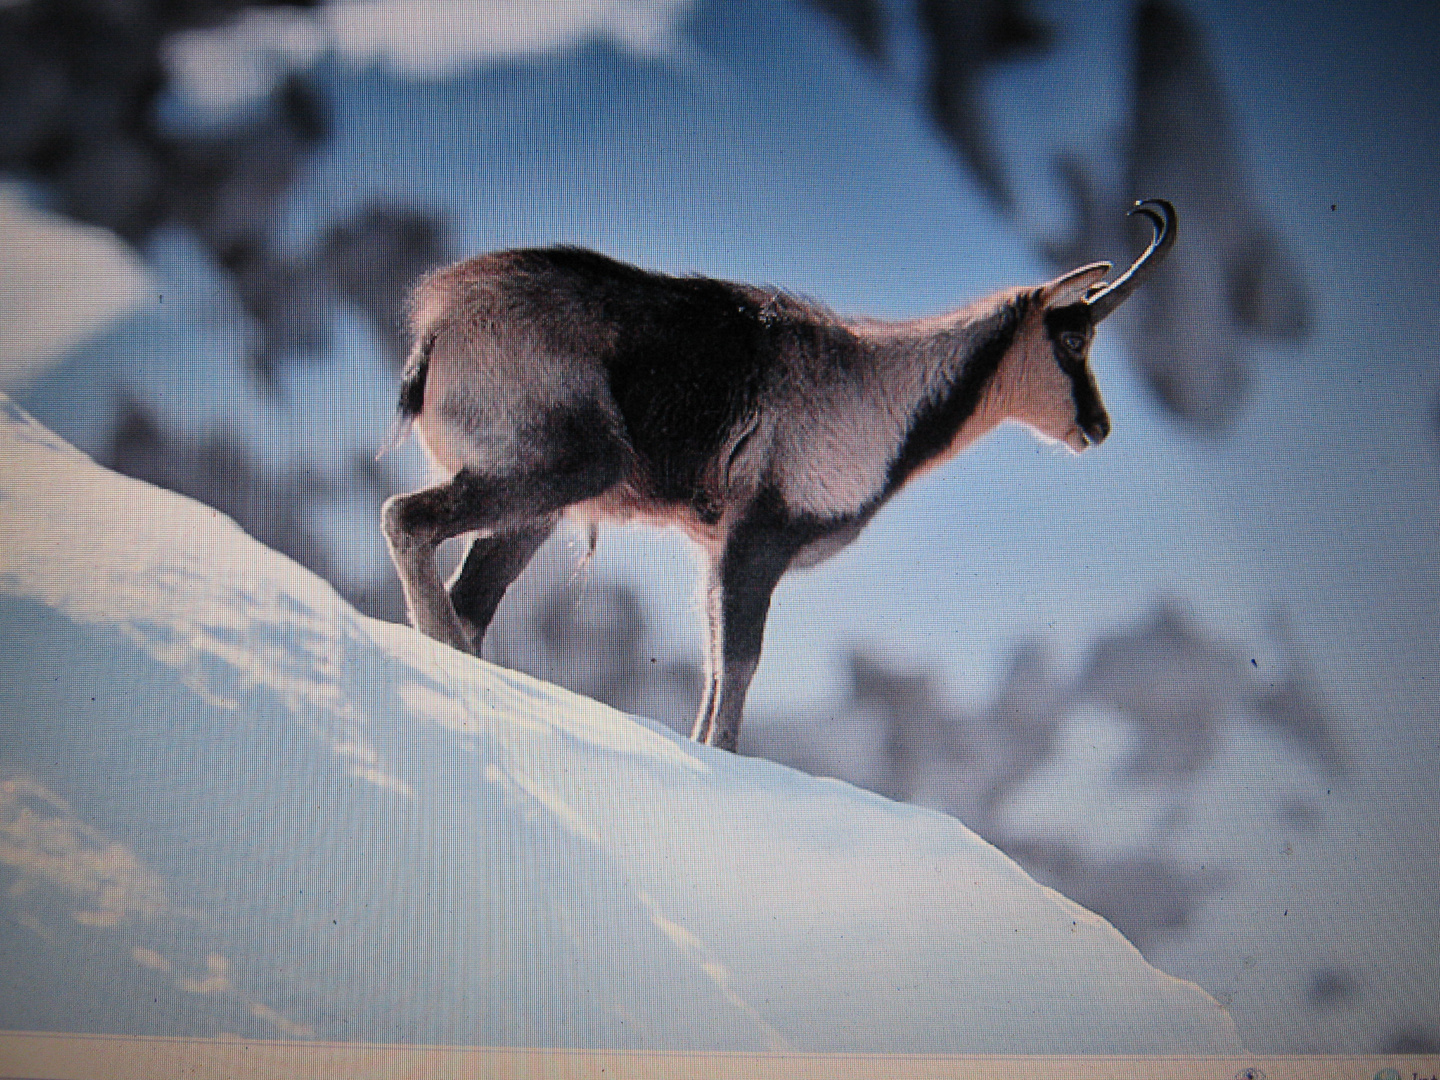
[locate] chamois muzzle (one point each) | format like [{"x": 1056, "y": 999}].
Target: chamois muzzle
[
  {"x": 1095, "y": 429},
  {"x": 1162, "y": 220}
]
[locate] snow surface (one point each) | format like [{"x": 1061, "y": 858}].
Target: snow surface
[
  {"x": 232, "y": 804},
  {"x": 221, "y": 70},
  {"x": 59, "y": 284}
]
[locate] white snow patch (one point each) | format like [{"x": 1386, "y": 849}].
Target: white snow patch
[
  {"x": 557, "y": 874},
  {"x": 59, "y": 283},
  {"x": 220, "y": 72},
  {"x": 438, "y": 37}
]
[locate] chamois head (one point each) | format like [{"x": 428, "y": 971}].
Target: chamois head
[{"x": 1048, "y": 385}]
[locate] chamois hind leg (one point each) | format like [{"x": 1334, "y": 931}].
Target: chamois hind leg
[
  {"x": 491, "y": 563},
  {"x": 416, "y": 524},
  {"x": 756, "y": 556}
]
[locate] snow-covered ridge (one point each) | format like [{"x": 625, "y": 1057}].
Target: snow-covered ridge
[
  {"x": 231, "y": 804},
  {"x": 221, "y": 69}
]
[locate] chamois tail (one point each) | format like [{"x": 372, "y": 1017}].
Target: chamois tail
[{"x": 412, "y": 394}]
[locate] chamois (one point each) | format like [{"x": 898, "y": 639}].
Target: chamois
[{"x": 557, "y": 382}]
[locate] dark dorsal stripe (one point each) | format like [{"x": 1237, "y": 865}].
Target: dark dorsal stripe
[{"x": 936, "y": 424}]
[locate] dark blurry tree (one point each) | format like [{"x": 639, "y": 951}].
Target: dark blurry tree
[{"x": 961, "y": 39}]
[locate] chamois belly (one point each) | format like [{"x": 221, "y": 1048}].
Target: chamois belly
[{"x": 626, "y": 504}]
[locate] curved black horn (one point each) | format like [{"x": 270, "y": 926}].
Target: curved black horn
[{"x": 1162, "y": 219}]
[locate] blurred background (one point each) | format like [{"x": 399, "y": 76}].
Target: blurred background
[{"x": 1189, "y": 680}]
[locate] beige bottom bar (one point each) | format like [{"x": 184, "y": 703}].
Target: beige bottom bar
[{"x": 44, "y": 1056}]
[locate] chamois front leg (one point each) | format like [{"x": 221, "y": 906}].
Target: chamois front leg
[{"x": 755, "y": 557}]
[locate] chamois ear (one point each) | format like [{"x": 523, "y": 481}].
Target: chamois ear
[{"x": 1071, "y": 288}]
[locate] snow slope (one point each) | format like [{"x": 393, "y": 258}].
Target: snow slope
[{"x": 231, "y": 804}]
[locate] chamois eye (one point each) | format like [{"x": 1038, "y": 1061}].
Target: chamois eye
[{"x": 1073, "y": 340}]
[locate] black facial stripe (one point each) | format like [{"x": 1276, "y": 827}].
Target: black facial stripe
[
  {"x": 1082, "y": 391},
  {"x": 1089, "y": 409},
  {"x": 1071, "y": 319},
  {"x": 1076, "y": 319}
]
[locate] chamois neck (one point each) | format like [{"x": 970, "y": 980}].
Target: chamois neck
[
  {"x": 947, "y": 341},
  {"x": 947, "y": 363}
]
